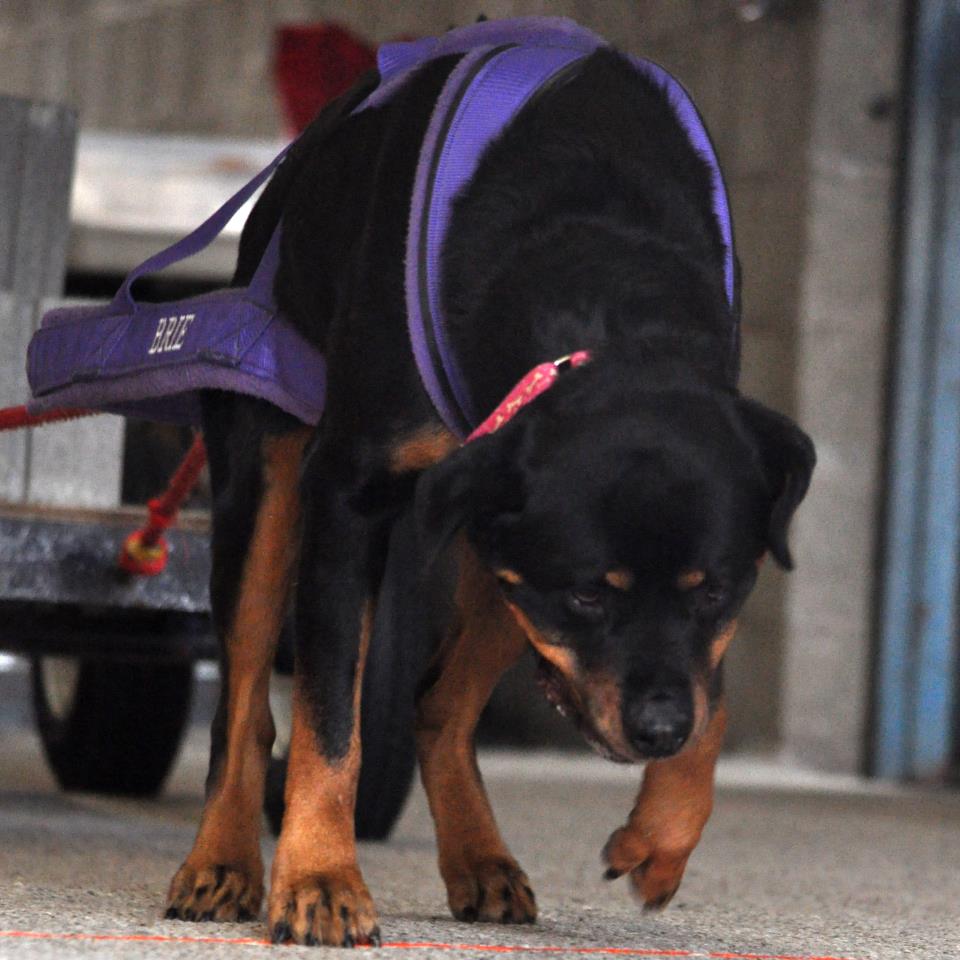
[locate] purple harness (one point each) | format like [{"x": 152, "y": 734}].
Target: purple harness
[{"x": 152, "y": 359}]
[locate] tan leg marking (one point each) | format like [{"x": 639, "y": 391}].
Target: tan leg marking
[
  {"x": 671, "y": 811},
  {"x": 317, "y": 894},
  {"x": 483, "y": 880},
  {"x": 222, "y": 878}
]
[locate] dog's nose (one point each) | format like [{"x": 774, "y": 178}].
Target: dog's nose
[{"x": 659, "y": 722}]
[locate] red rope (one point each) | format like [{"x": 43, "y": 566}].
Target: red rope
[
  {"x": 145, "y": 551},
  {"x": 519, "y": 949},
  {"x": 13, "y": 418}
]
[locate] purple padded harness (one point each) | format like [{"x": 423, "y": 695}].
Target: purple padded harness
[{"x": 151, "y": 359}]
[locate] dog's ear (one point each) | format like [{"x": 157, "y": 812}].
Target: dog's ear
[
  {"x": 788, "y": 458},
  {"x": 469, "y": 488}
]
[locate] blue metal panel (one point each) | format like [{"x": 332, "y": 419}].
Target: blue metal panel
[
  {"x": 914, "y": 713},
  {"x": 936, "y": 633}
]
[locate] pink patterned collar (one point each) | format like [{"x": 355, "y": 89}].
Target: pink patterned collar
[{"x": 540, "y": 378}]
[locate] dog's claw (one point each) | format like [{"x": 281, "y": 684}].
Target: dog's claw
[
  {"x": 654, "y": 906},
  {"x": 655, "y": 870},
  {"x": 217, "y": 892},
  {"x": 495, "y": 891},
  {"x": 324, "y": 909}
]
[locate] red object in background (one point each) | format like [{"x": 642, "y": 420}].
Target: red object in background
[{"x": 314, "y": 64}]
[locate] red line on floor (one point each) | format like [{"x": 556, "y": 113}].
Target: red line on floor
[{"x": 419, "y": 945}]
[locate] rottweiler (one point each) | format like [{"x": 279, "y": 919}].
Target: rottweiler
[{"x": 615, "y": 524}]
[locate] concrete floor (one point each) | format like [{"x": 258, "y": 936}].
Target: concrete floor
[{"x": 790, "y": 866}]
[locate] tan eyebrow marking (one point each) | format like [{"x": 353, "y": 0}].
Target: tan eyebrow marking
[
  {"x": 691, "y": 579},
  {"x": 619, "y": 579},
  {"x": 509, "y": 576}
]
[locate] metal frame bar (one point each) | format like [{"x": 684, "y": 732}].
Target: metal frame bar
[{"x": 917, "y": 657}]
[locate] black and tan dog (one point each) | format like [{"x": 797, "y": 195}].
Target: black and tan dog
[{"x": 616, "y": 524}]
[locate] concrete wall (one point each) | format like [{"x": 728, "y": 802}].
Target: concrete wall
[
  {"x": 74, "y": 464},
  {"x": 841, "y": 375},
  {"x": 787, "y": 99}
]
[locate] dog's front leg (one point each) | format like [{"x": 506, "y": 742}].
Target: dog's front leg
[
  {"x": 483, "y": 880},
  {"x": 664, "y": 827},
  {"x": 256, "y": 510},
  {"x": 317, "y": 893}
]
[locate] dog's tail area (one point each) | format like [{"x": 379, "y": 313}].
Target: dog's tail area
[{"x": 400, "y": 645}]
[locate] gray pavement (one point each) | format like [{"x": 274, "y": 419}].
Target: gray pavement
[{"x": 790, "y": 866}]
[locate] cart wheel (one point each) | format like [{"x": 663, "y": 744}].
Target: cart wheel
[{"x": 110, "y": 726}]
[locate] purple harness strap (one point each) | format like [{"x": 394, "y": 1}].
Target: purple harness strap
[
  {"x": 151, "y": 359},
  {"x": 506, "y": 62},
  {"x": 483, "y": 93}
]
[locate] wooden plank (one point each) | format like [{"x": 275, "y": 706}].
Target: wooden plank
[
  {"x": 74, "y": 562},
  {"x": 128, "y": 517}
]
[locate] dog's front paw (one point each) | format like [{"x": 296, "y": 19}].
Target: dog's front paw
[
  {"x": 655, "y": 865},
  {"x": 494, "y": 890},
  {"x": 217, "y": 892},
  {"x": 333, "y": 909}
]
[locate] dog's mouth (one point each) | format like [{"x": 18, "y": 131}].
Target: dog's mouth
[{"x": 560, "y": 695}]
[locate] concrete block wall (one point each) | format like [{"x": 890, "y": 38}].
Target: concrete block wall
[
  {"x": 841, "y": 375},
  {"x": 75, "y": 464}
]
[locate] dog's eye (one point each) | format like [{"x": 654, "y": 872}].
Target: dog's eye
[{"x": 586, "y": 602}]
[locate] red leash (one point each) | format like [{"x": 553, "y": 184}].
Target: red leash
[
  {"x": 13, "y": 418},
  {"x": 145, "y": 551}
]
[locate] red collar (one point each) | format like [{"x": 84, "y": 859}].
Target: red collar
[{"x": 540, "y": 378}]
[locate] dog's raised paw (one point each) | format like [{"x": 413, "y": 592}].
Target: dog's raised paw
[
  {"x": 219, "y": 893},
  {"x": 655, "y": 869},
  {"x": 495, "y": 891},
  {"x": 332, "y": 909}
]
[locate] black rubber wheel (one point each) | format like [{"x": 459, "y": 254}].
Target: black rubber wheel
[
  {"x": 108, "y": 726},
  {"x": 398, "y": 648}
]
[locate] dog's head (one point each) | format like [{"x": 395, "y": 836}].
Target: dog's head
[{"x": 626, "y": 537}]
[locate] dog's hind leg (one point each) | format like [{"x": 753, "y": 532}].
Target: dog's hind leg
[
  {"x": 483, "y": 880},
  {"x": 255, "y": 477}
]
